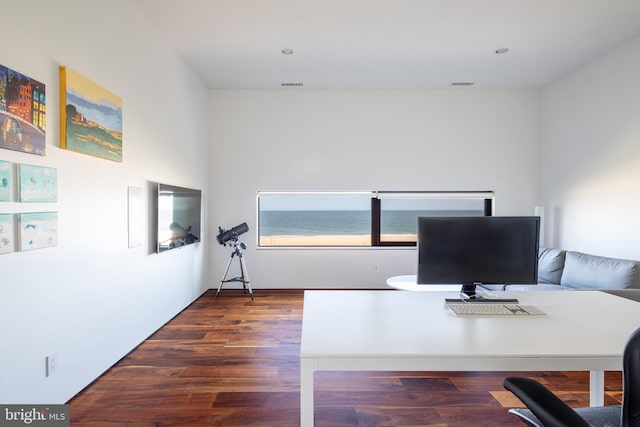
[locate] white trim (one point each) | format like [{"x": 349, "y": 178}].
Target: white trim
[
  {"x": 317, "y": 193},
  {"x": 435, "y": 195}
]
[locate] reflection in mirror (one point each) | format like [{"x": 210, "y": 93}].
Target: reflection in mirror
[{"x": 178, "y": 217}]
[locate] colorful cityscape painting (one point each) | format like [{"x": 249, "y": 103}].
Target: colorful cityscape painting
[
  {"x": 38, "y": 230},
  {"x": 91, "y": 117},
  {"x": 22, "y": 112},
  {"x": 38, "y": 183}
]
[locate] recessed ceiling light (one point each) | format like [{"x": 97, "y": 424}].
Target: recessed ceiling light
[
  {"x": 502, "y": 50},
  {"x": 287, "y": 51}
]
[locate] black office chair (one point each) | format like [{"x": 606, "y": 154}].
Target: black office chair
[{"x": 545, "y": 409}]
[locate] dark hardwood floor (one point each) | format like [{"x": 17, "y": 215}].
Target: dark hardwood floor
[{"x": 235, "y": 362}]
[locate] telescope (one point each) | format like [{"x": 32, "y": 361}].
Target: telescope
[{"x": 231, "y": 234}]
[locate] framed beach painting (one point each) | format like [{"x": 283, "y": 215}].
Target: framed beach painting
[
  {"x": 38, "y": 230},
  {"x": 6, "y": 180},
  {"x": 7, "y": 235},
  {"x": 38, "y": 183},
  {"x": 90, "y": 117},
  {"x": 22, "y": 113}
]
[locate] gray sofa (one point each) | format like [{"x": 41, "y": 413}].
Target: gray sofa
[{"x": 566, "y": 270}]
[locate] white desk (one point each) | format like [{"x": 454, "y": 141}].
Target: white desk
[
  {"x": 414, "y": 331},
  {"x": 408, "y": 283}
]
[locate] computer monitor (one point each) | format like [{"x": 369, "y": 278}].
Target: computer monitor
[{"x": 478, "y": 250}]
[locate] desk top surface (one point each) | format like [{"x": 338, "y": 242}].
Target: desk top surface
[{"x": 396, "y": 324}]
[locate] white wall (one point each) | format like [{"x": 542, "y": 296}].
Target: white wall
[
  {"x": 91, "y": 298},
  {"x": 363, "y": 140},
  {"x": 590, "y": 164}
]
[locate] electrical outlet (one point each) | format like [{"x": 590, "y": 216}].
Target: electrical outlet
[{"x": 51, "y": 363}]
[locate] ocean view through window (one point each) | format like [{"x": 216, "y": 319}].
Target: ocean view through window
[
  {"x": 314, "y": 219},
  {"x": 357, "y": 219},
  {"x": 399, "y": 212}
]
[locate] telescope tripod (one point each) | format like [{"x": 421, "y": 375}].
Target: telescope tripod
[{"x": 244, "y": 276}]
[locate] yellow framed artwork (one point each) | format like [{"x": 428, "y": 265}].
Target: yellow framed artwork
[{"x": 90, "y": 117}]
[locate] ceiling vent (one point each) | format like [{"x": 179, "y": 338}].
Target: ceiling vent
[
  {"x": 462, "y": 84},
  {"x": 292, "y": 84}
]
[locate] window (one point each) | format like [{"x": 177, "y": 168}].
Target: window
[
  {"x": 399, "y": 212},
  {"x": 358, "y": 219},
  {"x": 314, "y": 219}
]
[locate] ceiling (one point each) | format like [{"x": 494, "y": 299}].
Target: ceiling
[{"x": 390, "y": 44}]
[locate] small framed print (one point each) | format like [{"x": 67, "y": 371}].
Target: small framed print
[
  {"x": 7, "y": 234},
  {"x": 38, "y": 230},
  {"x": 134, "y": 195},
  {"x": 38, "y": 183},
  {"x": 6, "y": 180}
]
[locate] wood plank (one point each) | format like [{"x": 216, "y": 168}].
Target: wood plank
[{"x": 235, "y": 362}]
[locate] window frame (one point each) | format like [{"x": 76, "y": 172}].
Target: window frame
[
  {"x": 376, "y": 224},
  {"x": 375, "y": 211}
]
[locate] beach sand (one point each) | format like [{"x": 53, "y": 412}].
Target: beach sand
[{"x": 341, "y": 240}]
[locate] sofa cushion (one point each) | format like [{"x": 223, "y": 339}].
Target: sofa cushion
[
  {"x": 595, "y": 272},
  {"x": 550, "y": 265},
  {"x": 538, "y": 287}
]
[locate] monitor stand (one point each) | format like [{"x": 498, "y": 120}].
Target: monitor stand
[{"x": 468, "y": 294}]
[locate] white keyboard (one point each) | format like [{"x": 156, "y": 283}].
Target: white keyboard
[{"x": 493, "y": 309}]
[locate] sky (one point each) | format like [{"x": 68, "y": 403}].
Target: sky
[{"x": 360, "y": 202}]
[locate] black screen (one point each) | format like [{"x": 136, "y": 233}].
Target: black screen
[{"x": 475, "y": 250}]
